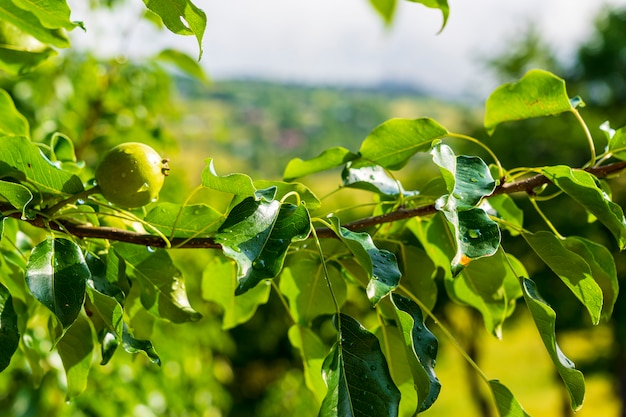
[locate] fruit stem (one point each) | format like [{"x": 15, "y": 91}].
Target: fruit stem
[{"x": 83, "y": 194}]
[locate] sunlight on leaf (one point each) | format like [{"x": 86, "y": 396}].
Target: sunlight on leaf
[
  {"x": 538, "y": 93},
  {"x": 57, "y": 276},
  {"x": 330, "y": 158},
  {"x": 12, "y": 122},
  {"x": 506, "y": 403},
  {"x": 76, "y": 351}
]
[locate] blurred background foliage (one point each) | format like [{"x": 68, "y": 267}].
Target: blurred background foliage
[{"x": 256, "y": 127}]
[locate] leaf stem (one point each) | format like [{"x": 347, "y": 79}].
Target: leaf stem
[
  {"x": 83, "y": 194},
  {"x": 482, "y": 145},
  {"x": 326, "y": 273},
  {"x": 592, "y": 147},
  {"x": 545, "y": 219},
  {"x": 447, "y": 333}
]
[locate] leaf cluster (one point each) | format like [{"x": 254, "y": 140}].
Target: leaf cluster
[{"x": 92, "y": 271}]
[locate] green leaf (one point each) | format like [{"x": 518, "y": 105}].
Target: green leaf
[
  {"x": 545, "y": 318},
  {"x": 418, "y": 275},
  {"x": 9, "y": 333},
  {"x": 12, "y": 122},
  {"x": 467, "y": 179},
  {"x": 219, "y": 282},
  {"x": 421, "y": 350},
  {"x": 354, "y": 369},
  {"x": 181, "y": 17},
  {"x": 18, "y": 62},
  {"x": 62, "y": 148},
  {"x": 489, "y": 286},
  {"x": 57, "y": 276},
  {"x": 506, "y": 209},
  {"x": 303, "y": 282},
  {"x": 380, "y": 265},
  {"x": 16, "y": 194},
  {"x": 184, "y": 62},
  {"x": 108, "y": 309},
  {"x": 375, "y": 179},
  {"x": 437, "y": 239},
  {"x": 573, "y": 270},
  {"x": 328, "y": 159},
  {"x": 76, "y": 351},
  {"x": 30, "y": 23},
  {"x": 109, "y": 343},
  {"x": 437, "y": 4},
  {"x": 583, "y": 188},
  {"x": 19, "y": 155},
  {"x": 617, "y": 143},
  {"x": 238, "y": 184},
  {"x": 506, "y": 403},
  {"x": 52, "y": 14},
  {"x": 184, "y": 221},
  {"x": 162, "y": 285},
  {"x": 257, "y": 234},
  {"x": 395, "y": 141},
  {"x": 385, "y": 8},
  {"x": 313, "y": 353},
  {"x": 538, "y": 93},
  {"x": 132, "y": 345},
  {"x": 602, "y": 266},
  {"x": 284, "y": 188},
  {"x": 475, "y": 234}
]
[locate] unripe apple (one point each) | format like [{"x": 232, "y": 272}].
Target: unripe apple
[{"x": 131, "y": 175}]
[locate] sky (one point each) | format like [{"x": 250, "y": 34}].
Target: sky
[{"x": 344, "y": 42}]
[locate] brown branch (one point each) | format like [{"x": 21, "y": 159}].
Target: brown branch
[{"x": 526, "y": 185}]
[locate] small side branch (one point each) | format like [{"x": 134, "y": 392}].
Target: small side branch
[{"x": 84, "y": 231}]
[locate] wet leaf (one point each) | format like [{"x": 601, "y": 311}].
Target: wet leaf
[
  {"x": 257, "y": 234},
  {"x": 421, "y": 350},
  {"x": 9, "y": 333},
  {"x": 57, "y": 276},
  {"x": 357, "y": 376}
]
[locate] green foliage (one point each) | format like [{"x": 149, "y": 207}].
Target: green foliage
[{"x": 81, "y": 275}]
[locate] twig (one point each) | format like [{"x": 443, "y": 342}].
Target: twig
[{"x": 526, "y": 185}]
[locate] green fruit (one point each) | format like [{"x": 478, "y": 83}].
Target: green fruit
[{"x": 131, "y": 175}]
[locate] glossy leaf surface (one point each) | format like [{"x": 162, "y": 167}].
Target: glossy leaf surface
[
  {"x": 584, "y": 188},
  {"x": 375, "y": 179},
  {"x": 132, "y": 345},
  {"x": 380, "y": 264},
  {"x": 57, "y": 276},
  {"x": 257, "y": 234},
  {"x": 538, "y": 93},
  {"x": 357, "y": 376},
  {"x": 9, "y": 333},
  {"x": 30, "y": 23},
  {"x": 16, "y": 194},
  {"x": 421, "y": 348},
  {"x": 545, "y": 318}
]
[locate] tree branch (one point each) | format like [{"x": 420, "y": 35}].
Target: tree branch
[{"x": 526, "y": 185}]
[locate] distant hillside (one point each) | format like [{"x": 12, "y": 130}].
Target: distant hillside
[{"x": 262, "y": 125}]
